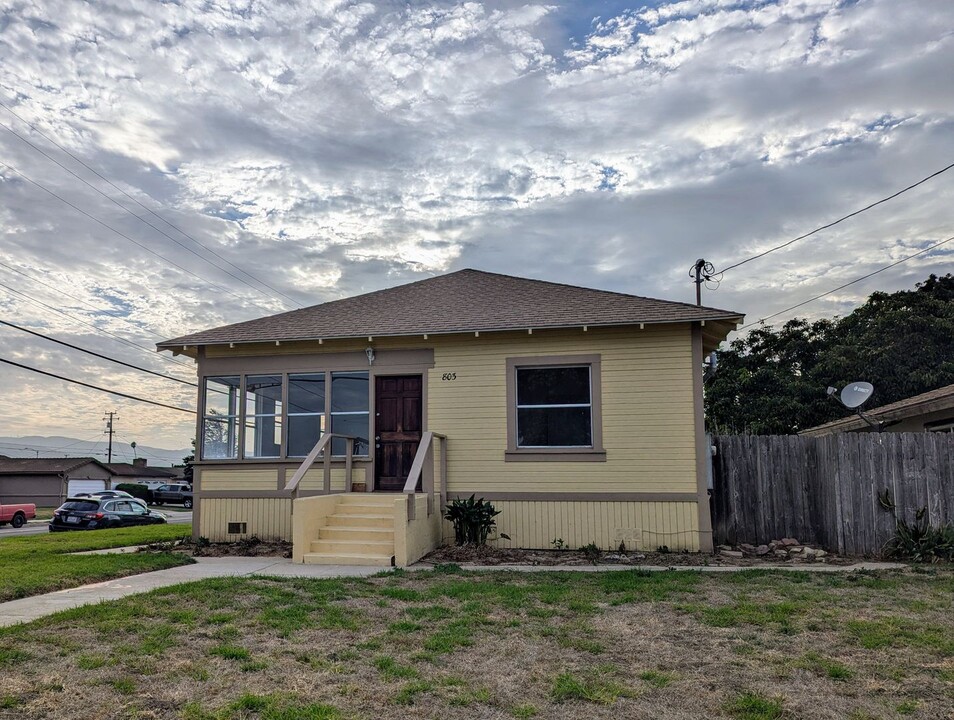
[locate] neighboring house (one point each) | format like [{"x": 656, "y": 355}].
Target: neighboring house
[
  {"x": 48, "y": 481},
  {"x": 140, "y": 472},
  {"x": 577, "y": 412},
  {"x": 932, "y": 411}
]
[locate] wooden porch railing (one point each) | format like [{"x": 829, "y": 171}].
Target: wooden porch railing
[
  {"x": 424, "y": 453},
  {"x": 323, "y": 443}
]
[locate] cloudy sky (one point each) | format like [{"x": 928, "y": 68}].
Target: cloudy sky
[{"x": 329, "y": 148}]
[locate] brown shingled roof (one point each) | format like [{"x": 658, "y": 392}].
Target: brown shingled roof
[
  {"x": 130, "y": 470},
  {"x": 42, "y": 466},
  {"x": 462, "y": 301}
]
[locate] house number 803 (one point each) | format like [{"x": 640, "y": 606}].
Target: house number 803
[{"x": 449, "y": 376}]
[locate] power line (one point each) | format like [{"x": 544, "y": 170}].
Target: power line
[
  {"x": 80, "y": 300},
  {"x": 121, "y": 234},
  {"x": 839, "y": 220},
  {"x": 138, "y": 217},
  {"x": 95, "y": 387},
  {"x": 96, "y": 354},
  {"x": 842, "y": 287},
  {"x": 151, "y": 351}
]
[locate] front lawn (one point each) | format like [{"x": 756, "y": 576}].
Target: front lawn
[
  {"x": 35, "y": 564},
  {"x": 445, "y": 644}
]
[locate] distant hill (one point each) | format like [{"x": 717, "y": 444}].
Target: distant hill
[{"x": 58, "y": 446}]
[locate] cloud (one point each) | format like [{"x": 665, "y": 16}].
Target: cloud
[{"x": 328, "y": 149}]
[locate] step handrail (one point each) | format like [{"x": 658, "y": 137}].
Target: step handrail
[
  {"x": 292, "y": 485},
  {"x": 424, "y": 451}
]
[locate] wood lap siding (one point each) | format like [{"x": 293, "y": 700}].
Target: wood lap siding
[
  {"x": 266, "y": 518},
  {"x": 824, "y": 490},
  {"x": 647, "y": 412},
  {"x": 640, "y": 525},
  {"x": 238, "y": 480}
]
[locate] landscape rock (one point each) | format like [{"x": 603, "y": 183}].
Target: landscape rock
[
  {"x": 731, "y": 553},
  {"x": 746, "y": 548},
  {"x": 781, "y": 554},
  {"x": 789, "y": 541},
  {"x": 762, "y": 550}
]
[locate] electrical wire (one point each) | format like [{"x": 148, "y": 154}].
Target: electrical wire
[
  {"x": 842, "y": 287},
  {"x": 96, "y": 387},
  {"x": 839, "y": 220},
  {"x": 139, "y": 217},
  {"x": 120, "y": 338},
  {"x": 81, "y": 301},
  {"x": 96, "y": 354},
  {"x": 118, "y": 232}
]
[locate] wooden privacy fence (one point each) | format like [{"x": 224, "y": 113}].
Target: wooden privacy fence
[{"x": 824, "y": 490}]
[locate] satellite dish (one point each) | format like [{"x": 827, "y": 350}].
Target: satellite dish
[{"x": 856, "y": 394}]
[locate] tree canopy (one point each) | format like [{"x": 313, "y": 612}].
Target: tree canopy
[{"x": 773, "y": 380}]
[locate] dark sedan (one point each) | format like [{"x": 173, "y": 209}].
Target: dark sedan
[{"x": 100, "y": 513}]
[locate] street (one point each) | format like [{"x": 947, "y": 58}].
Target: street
[{"x": 37, "y": 527}]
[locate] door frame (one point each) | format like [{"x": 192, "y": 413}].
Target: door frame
[{"x": 391, "y": 371}]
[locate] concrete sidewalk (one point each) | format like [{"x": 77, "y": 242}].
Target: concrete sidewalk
[{"x": 31, "y": 608}]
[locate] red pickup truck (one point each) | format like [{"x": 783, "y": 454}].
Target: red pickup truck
[{"x": 17, "y": 515}]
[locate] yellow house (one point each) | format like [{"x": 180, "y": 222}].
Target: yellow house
[{"x": 347, "y": 426}]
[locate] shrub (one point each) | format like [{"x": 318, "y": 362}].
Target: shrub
[
  {"x": 472, "y": 519},
  {"x": 920, "y": 542},
  {"x": 136, "y": 490}
]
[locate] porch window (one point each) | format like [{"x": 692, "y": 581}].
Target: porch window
[
  {"x": 306, "y": 412},
  {"x": 263, "y": 416},
  {"x": 220, "y": 419},
  {"x": 553, "y": 408},
  {"x": 350, "y": 410}
]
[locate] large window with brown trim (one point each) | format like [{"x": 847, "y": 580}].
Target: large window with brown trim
[
  {"x": 553, "y": 408},
  {"x": 220, "y": 422},
  {"x": 284, "y": 415}
]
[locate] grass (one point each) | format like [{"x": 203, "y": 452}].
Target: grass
[
  {"x": 459, "y": 645},
  {"x": 753, "y": 706},
  {"x": 35, "y": 564}
]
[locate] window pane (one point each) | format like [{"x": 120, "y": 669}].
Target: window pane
[
  {"x": 554, "y": 427},
  {"x": 356, "y": 425},
  {"x": 219, "y": 439},
  {"x": 553, "y": 386},
  {"x": 349, "y": 392},
  {"x": 221, "y": 395},
  {"x": 263, "y": 395},
  {"x": 306, "y": 393},
  {"x": 263, "y": 436},
  {"x": 303, "y": 433}
]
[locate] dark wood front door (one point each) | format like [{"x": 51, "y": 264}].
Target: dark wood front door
[{"x": 397, "y": 428}]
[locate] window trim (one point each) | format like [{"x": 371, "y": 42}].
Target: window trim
[
  {"x": 235, "y": 418},
  {"x": 279, "y": 417},
  {"x": 594, "y": 453}
]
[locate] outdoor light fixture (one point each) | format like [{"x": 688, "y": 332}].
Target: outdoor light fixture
[{"x": 370, "y": 353}]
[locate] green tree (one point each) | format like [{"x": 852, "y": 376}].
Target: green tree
[{"x": 773, "y": 381}]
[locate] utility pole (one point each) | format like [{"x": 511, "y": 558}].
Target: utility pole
[
  {"x": 109, "y": 431},
  {"x": 699, "y": 279}
]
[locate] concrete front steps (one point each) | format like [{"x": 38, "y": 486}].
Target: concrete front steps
[{"x": 359, "y": 532}]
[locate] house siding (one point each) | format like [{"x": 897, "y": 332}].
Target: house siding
[{"x": 643, "y": 494}]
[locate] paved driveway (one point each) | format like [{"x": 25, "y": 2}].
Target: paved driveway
[{"x": 37, "y": 527}]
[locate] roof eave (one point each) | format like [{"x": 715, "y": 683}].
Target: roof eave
[{"x": 184, "y": 343}]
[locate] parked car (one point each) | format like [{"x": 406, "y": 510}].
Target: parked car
[
  {"x": 79, "y": 513},
  {"x": 173, "y": 494},
  {"x": 17, "y": 514}
]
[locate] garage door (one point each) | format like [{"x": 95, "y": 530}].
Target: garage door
[{"x": 85, "y": 485}]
